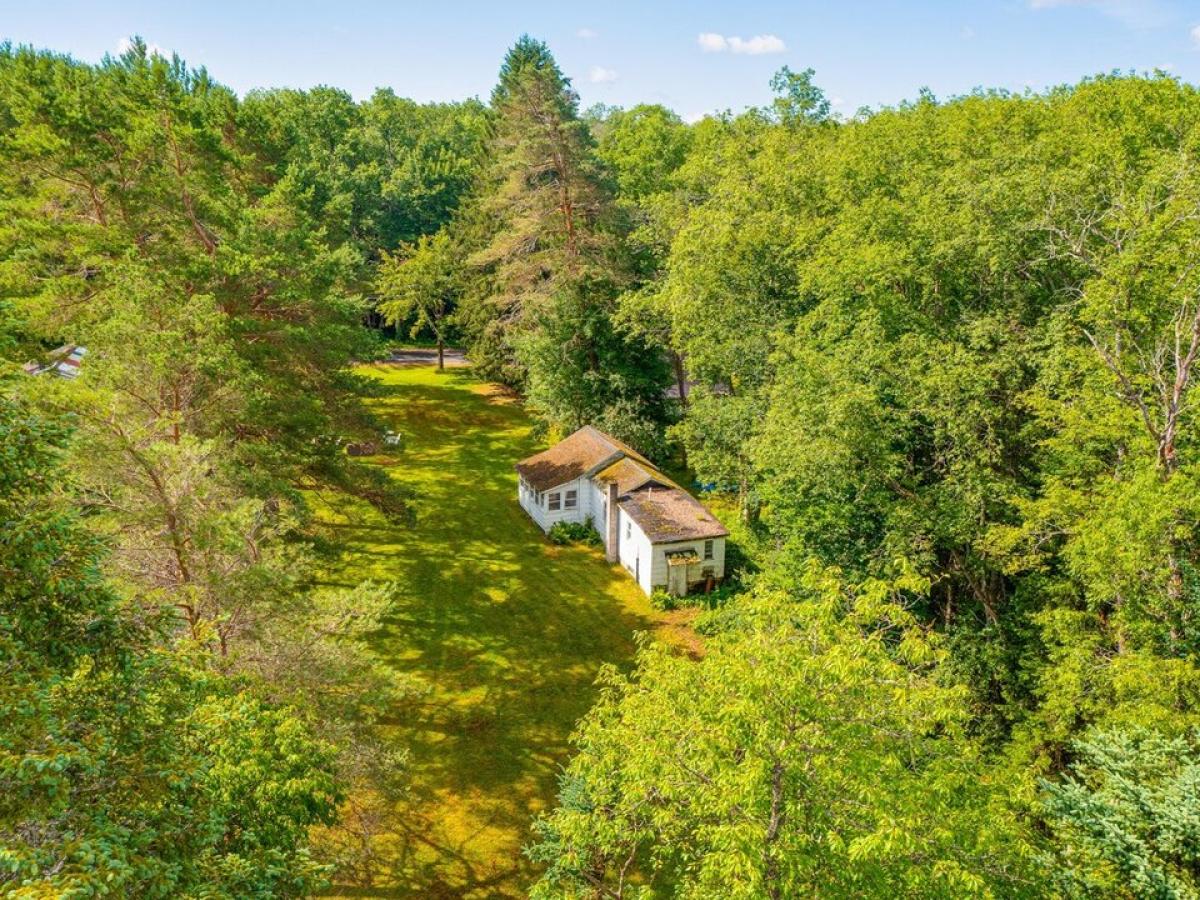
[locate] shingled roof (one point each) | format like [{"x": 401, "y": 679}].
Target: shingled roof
[
  {"x": 582, "y": 453},
  {"x": 629, "y": 475},
  {"x": 670, "y": 514}
]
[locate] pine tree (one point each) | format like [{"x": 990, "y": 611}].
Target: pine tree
[{"x": 551, "y": 256}]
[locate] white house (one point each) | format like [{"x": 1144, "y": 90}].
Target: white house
[{"x": 654, "y": 528}]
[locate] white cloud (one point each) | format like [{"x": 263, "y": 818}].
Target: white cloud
[
  {"x": 587, "y": 33},
  {"x": 837, "y": 101},
  {"x": 711, "y": 42},
  {"x": 1195, "y": 33},
  {"x": 762, "y": 43},
  {"x": 601, "y": 75},
  {"x": 126, "y": 44}
]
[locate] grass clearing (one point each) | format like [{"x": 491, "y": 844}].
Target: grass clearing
[{"x": 507, "y": 630}]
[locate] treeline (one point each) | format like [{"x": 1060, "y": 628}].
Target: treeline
[{"x": 181, "y": 703}]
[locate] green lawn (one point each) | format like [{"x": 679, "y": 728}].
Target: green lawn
[{"x": 507, "y": 630}]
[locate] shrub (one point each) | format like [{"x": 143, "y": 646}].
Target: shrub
[
  {"x": 663, "y": 601},
  {"x": 562, "y": 533}
]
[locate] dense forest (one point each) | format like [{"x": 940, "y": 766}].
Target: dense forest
[{"x": 937, "y": 357}]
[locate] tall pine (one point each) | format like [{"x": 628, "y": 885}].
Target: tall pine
[{"x": 549, "y": 251}]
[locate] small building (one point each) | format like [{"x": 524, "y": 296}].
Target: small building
[
  {"x": 65, "y": 362},
  {"x": 658, "y": 531}
]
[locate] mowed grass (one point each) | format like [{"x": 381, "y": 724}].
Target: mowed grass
[{"x": 507, "y": 631}]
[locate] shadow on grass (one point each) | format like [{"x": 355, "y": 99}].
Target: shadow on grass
[{"x": 507, "y": 631}]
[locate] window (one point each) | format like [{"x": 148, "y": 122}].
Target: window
[
  {"x": 571, "y": 500},
  {"x": 628, "y": 531},
  {"x": 708, "y": 549},
  {"x": 555, "y": 501}
]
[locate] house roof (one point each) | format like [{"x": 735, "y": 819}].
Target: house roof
[
  {"x": 670, "y": 514},
  {"x": 629, "y": 475},
  {"x": 582, "y": 453}
]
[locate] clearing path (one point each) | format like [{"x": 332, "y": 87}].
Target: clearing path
[{"x": 507, "y": 630}]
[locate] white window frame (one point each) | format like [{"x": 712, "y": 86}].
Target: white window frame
[
  {"x": 708, "y": 549},
  {"x": 571, "y": 500},
  {"x": 554, "y": 501}
]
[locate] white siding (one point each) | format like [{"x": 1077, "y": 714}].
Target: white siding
[
  {"x": 695, "y": 571},
  {"x": 597, "y": 495},
  {"x": 541, "y": 512},
  {"x": 637, "y": 552}
]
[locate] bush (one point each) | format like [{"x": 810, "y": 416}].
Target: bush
[
  {"x": 663, "y": 601},
  {"x": 562, "y": 533}
]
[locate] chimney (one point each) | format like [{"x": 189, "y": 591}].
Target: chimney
[{"x": 610, "y": 529}]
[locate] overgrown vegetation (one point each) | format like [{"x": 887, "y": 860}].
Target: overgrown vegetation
[{"x": 575, "y": 533}]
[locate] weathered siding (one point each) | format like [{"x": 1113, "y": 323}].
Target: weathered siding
[{"x": 695, "y": 571}]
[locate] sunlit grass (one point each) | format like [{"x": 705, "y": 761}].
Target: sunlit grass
[{"x": 507, "y": 630}]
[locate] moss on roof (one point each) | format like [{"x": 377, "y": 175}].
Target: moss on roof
[{"x": 671, "y": 514}]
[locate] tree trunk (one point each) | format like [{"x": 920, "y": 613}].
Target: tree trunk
[
  {"x": 771, "y": 861},
  {"x": 441, "y": 355},
  {"x": 680, "y": 377}
]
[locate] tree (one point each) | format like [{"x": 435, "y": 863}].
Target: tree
[
  {"x": 810, "y": 751},
  {"x": 1124, "y": 819},
  {"x": 549, "y": 255},
  {"x": 645, "y": 147},
  {"x": 126, "y": 768},
  {"x": 220, "y": 321},
  {"x": 419, "y": 286},
  {"x": 798, "y": 100}
]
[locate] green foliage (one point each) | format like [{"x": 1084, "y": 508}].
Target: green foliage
[
  {"x": 545, "y": 239},
  {"x": 946, "y": 348},
  {"x": 810, "y": 752},
  {"x": 1125, "y": 817},
  {"x": 798, "y": 100},
  {"x": 125, "y": 768},
  {"x": 956, "y": 339},
  {"x": 563, "y": 533},
  {"x": 663, "y": 601},
  {"x": 419, "y": 285}
]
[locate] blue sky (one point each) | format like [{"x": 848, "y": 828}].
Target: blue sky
[{"x": 695, "y": 57}]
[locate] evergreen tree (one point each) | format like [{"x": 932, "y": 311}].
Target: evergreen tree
[{"x": 552, "y": 261}]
